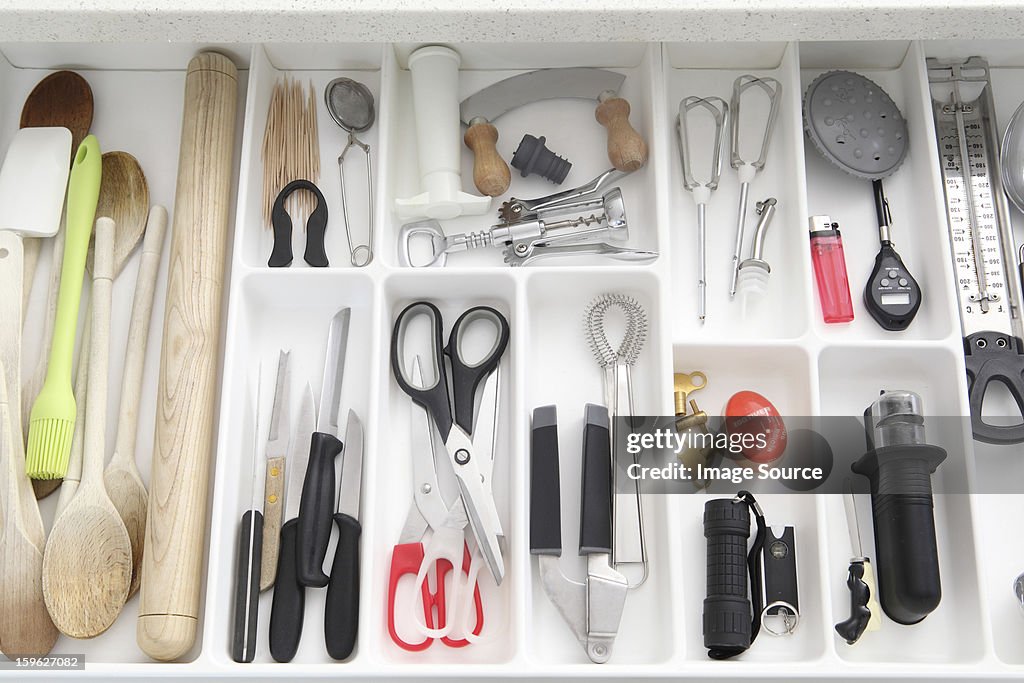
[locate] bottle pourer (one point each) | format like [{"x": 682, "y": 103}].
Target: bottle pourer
[{"x": 752, "y": 283}]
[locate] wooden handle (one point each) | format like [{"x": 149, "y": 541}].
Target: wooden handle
[
  {"x": 11, "y": 280},
  {"x": 189, "y": 358},
  {"x": 25, "y": 625},
  {"x": 138, "y": 334},
  {"x": 73, "y": 475},
  {"x": 94, "y": 452},
  {"x": 30, "y": 389},
  {"x": 490, "y": 172},
  {"x": 272, "y": 511},
  {"x": 626, "y": 149}
]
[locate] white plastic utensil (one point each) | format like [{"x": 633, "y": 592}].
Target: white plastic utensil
[{"x": 33, "y": 180}]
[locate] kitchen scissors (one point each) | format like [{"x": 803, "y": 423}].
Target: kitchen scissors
[{"x": 470, "y": 450}]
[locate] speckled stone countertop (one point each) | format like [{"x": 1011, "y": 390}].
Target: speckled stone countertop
[{"x": 241, "y": 21}]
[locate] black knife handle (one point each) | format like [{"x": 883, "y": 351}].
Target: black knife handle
[
  {"x": 341, "y": 619},
  {"x": 288, "y": 610},
  {"x": 596, "y": 499},
  {"x": 316, "y": 509},
  {"x": 247, "y": 586},
  {"x": 545, "y": 501},
  {"x": 852, "y": 629}
]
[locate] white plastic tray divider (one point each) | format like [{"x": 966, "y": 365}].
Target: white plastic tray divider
[
  {"x": 569, "y": 125},
  {"x": 919, "y": 220},
  {"x": 118, "y": 124},
  {"x": 784, "y": 311},
  {"x": 785, "y": 373},
  {"x": 998, "y": 562},
  {"x": 501, "y": 603},
  {"x": 564, "y": 372},
  {"x": 257, "y": 240}
]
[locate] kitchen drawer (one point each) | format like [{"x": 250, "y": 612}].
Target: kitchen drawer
[{"x": 783, "y": 351}]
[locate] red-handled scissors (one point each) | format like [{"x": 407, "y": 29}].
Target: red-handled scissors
[{"x": 446, "y": 547}]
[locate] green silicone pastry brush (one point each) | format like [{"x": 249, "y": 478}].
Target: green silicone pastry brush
[{"x": 52, "y": 421}]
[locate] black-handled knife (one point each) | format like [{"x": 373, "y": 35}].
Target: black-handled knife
[
  {"x": 248, "y": 558},
  {"x": 316, "y": 508},
  {"x": 341, "y": 619},
  {"x": 287, "y": 612},
  {"x": 865, "y": 611}
]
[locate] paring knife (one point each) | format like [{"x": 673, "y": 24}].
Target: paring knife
[
  {"x": 247, "y": 562},
  {"x": 341, "y": 618},
  {"x": 316, "y": 508},
  {"x": 288, "y": 609},
  {"x": 273, "y": 488},
  {"x": 865, "y": 612}
]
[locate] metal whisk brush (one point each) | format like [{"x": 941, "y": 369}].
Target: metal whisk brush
[{"x": 617, "y": 360}]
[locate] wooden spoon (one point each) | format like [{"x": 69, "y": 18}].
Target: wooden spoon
[
  {"x": 65, "y": 99},
  {"x": 124, "y": 485},
  {"x": 87, "y": 565},
  {"x": 25, "y": 625},
  {"x": 124, "y": 198}
]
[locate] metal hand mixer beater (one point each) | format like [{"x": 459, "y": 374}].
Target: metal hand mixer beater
[
  {"x": 350, "y": 104},
  {"x": 701, "y": 190},
  {"x": 628, "y": 543},
  {"x": 746, "y": 171}
]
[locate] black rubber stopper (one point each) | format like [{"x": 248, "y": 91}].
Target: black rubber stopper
[{"x": 533, "y": 157}]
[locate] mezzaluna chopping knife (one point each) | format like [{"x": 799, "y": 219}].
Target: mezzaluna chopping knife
[{"x": 626, "y": 149}]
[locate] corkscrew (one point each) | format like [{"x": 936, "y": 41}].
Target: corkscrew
[{"x": 528, "y": 229}]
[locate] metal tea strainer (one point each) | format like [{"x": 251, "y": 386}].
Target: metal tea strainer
[{"x": 350, "y": 104}]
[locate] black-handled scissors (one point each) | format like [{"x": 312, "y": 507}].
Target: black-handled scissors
[{"x": 456, "y": 387}]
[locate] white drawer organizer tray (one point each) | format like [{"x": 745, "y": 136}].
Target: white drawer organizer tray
[{"x": 789, "y": 355}]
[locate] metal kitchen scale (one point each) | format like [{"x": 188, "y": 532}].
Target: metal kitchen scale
[{"x": 980, "y": 236}]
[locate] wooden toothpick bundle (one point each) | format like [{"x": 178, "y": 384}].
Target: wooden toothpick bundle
[{"x": 291, "y": 148}]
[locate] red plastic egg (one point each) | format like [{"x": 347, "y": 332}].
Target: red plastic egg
[{"x": 755, "y": 427}]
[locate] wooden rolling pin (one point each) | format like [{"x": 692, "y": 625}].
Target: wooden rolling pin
[{"x": 189, "y": 360}]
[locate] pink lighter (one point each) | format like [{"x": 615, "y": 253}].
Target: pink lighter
[{"x": 830, "y": 270}]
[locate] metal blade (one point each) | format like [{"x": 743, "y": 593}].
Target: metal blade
[
  {"x": 483, "y": 515},
  {"x": 280, "y": 416},
  {"x": 426, "y": 491},
  {"x": 850, "y": 503},
  {"x": 533, "y": 86},
  {"x": 485, "y": 429},
  {"x": 334, "y": 369},
  {"x": 257, "y": 494},
  {"x": 298, "y": 454},
  {"x": 351, "y": 468}
]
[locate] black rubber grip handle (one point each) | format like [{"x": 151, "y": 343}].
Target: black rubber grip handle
[
  {"x": 596, "y": 498},
  {"x": 316, "y": 227},
  {"x": 288, "y": 610},
  {"x": 909, "y": 587},
  {"x": 727, "y": 610},
  {"x": 852, "y": 629},
  {"x": 341, "y": 618},
  {"x": 316, "y": 231},
  {"x": 545, "y": 488},
  {"x": 316, "y": 509},
  {"x": 994, "y": 357},
  {"x": 247, "y": 586}
]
